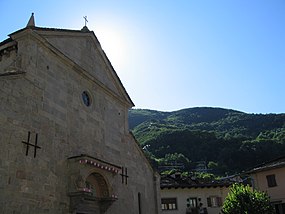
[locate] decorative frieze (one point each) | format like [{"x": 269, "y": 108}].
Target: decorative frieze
[{"x": 100, "y": 165}]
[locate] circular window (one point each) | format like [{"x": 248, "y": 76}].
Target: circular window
[{"x": 86, "y": 98}]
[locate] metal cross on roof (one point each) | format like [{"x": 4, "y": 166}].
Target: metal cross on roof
[{"x": 85, "y": 17}]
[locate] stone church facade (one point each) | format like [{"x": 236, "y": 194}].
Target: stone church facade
[{"x": 64, "y": 136}]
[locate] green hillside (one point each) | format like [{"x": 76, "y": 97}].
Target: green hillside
[{"x": 228, "y": 141}]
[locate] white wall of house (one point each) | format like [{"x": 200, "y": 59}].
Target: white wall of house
[
  {"x": 181, "y": 195},
  {"x": 276, "y": 191},
  {"x": 270, "y": 178}
]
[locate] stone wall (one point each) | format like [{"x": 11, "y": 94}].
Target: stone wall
[{"x": 46, "y": 101}]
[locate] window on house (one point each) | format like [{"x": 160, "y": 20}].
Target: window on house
[
  {"x": 169, "y": 204},
  {"x": 271, "y": 180},
  {"x": 192, "y": 202},
  {"x": 214, "y": 201}
]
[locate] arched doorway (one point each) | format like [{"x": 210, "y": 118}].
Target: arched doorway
[
  {"x": 97, "y": 186},
  {"x": 95, "y": 198}
]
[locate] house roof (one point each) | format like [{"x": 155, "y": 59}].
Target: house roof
[
  {"x": 170, "y": 181},
  {"x": 272, "y": 164}
]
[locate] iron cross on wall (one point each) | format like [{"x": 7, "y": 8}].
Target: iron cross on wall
[
  {"x": 124, "y": 175},
  {"x": 28, "y": 144}
]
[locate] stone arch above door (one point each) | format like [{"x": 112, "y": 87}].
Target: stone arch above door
[{"x": 91, "y": 184}]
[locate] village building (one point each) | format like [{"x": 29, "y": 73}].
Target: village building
[
  {"x": 186, "y": 195},
  {"x": 65, "y": 140},
  {"x": 269, "y": 177}
]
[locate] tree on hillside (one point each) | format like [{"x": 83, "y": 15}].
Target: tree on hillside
[{"x": 243, "y": 200}]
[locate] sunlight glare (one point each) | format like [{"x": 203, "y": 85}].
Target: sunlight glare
[{"x": 113, "y": 44}]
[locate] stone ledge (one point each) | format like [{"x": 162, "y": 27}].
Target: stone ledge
[{"x": 85, "y": 201}]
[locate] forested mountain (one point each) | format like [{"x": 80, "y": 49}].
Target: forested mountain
[{"x": 227, "y": 141}]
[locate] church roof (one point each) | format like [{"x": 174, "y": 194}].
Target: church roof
[
  {"x": 49, "y": 29},
  {"x": 5, "y": 41}
]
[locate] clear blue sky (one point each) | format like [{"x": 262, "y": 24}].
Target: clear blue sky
[{"x": 178, "y": 54}]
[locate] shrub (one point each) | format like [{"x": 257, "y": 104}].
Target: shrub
[{"x": 243, "y": 200}]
